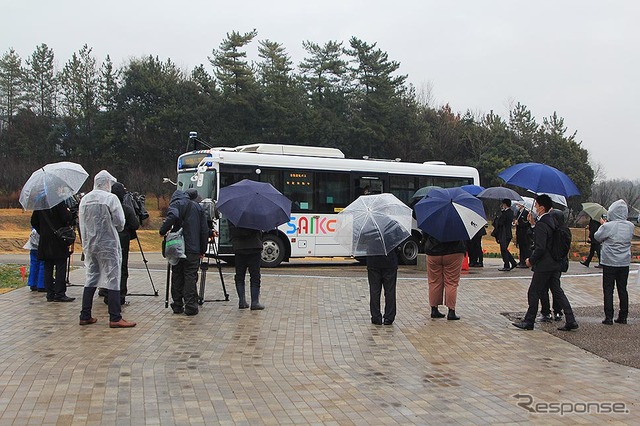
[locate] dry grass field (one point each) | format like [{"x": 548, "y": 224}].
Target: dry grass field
[{"x": 15, "y": 228}]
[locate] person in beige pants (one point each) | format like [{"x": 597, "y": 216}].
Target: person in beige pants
[{"x": 444, "y": 262}]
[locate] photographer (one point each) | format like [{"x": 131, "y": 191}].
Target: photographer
[
  {"x": 186, "y": 214},
  {"x": 131, "y": 224}
]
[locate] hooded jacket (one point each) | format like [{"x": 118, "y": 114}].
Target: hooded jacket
[
  {"x": 101, "y": 218},
  {"x": 188, "y": 215},
  {"x": 615, "y": 236}
]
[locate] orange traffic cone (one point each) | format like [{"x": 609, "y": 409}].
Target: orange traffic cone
[{"x": 465, "y": 263}]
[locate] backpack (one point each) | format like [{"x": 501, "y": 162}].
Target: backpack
[{"x": 561, "y": 245}]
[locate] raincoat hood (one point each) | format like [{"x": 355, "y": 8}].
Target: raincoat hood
[
  {"x": 104, "y": 180},
  {"x": 618, "y": 210},
  {"x": 118, "y": 189}
]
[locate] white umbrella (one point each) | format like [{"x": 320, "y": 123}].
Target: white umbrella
[
  {"x": 556, "y": 198},
  {"x": 373, "y": 225},
  {"x": 52, "y": 184},
  {"x": 527, "y": 202}
]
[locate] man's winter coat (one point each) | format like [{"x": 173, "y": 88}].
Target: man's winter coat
[{"x": 189, "y": 215}]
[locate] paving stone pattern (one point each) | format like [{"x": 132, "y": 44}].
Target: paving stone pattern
[{"x": 311, "y": 357}]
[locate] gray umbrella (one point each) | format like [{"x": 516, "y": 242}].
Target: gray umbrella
[{"x": 499, "y": 193}]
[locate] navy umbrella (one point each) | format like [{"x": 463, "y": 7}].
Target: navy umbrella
[
  {"x": 539, "y": 178},
  {"x": 450, "y": 214},
  {"x": 473, "y": 189},
  {"x": 254, "y": 205}
]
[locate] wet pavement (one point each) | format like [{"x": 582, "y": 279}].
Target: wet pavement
[{"x": 312, "y": 356}]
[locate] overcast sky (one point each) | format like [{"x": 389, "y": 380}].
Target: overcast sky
[{"x": 578, "y": 57}]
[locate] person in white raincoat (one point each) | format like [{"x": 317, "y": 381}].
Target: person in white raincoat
[{"x": 101, "y": 217}]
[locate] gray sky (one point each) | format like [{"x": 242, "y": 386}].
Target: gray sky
[{"x": 577, "y": 57}]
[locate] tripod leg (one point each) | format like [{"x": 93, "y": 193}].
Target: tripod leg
[
  {"x": 203, "y": 279},
  {"x": 144, "y": 259},
  {"x": 224, "y": 289},
  {"x": 166, "y": 298}
]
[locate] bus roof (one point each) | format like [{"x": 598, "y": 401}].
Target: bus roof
[{"x": 316, "y": 158}]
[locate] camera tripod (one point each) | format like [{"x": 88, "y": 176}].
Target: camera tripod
[
  {"x": 144, "y": 259},
  {"x": 204, "y": 267}
]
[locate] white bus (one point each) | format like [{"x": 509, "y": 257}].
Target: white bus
[{"x": 320, "y": 182}]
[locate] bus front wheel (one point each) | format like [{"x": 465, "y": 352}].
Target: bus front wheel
[
  {"x": 272, "y": 251},
  {"x": 408, "y": 251}
]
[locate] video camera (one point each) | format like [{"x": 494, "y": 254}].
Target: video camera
[
  {"x": 137, "y": 201},
  {"x": 210, "y": 211}
]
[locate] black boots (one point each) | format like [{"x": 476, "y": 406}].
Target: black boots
[
  {"x": 242, "y": 300},
  {"x": 255, "y": 299},
  {"x": 452, "y": 315},
  {"x": 435, "y": 313}
]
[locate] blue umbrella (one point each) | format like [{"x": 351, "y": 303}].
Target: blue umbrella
[
  {"x": 254, "y": 205},
  {"x": 539, "y": 178},
  {"x": 450, "y": 214},
  {"x": 473, "y": 189}
]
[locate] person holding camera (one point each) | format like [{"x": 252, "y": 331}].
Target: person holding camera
[
  {"x": 187, "y": 214},
  {"x": 615, "y": 235},
  {"x": 53, "y": 250},
  {"x": 594, "y": 245},
  {"x": 131, "y": 224}
]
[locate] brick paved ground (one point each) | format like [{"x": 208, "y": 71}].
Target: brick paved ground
[{"x": 311, "y": 357}]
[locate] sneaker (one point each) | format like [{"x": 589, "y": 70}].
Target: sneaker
[
  {"x": 585, "y": 264},
  {"x": 599, "y": 266},
  {"x": 607, "y": 321},
  {"x": 557, "y": 316},
  {"x": 64, "y": 299}
]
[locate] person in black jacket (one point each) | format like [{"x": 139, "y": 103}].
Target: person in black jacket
[
  {"x": 502, "y": 233},
  {"x": 382, "y": 272},
  {"x": 523, "y": 235},
  {"x": 546, "y": 270},
  {"x": 188, "y": 215},
  {"x": 247, "y": 247},
  {"x": 131, "y": 224},
  {"x": 53, "y": 250},
  {"x": 444, "y": 262},
  {"x": 595, "y": 245}
]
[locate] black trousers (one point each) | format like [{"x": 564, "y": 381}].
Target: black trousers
[
  {"x": 594, "y": 248},
  {"x": 250, "y": 262},
  {"x": 124, "y": 269},
  {"x": 545, "y": 306},
  {"x": 507, "y": 258},
  {"x": 476, "y": 256},
  {"x": 615, "y": 276},
  {"x": 524, "y": 245},
  {"x": 380, "y": 278},
  {"x": 113, "y": 298},
  {"x": 184, "y": 276},
  {"x": 56, "y": 287},
  {"x": 542, "y": 282}
]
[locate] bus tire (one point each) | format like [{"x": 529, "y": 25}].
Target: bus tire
[
  {"x": 408, "y": 251},
  {"x": 273, "y": 251}
]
